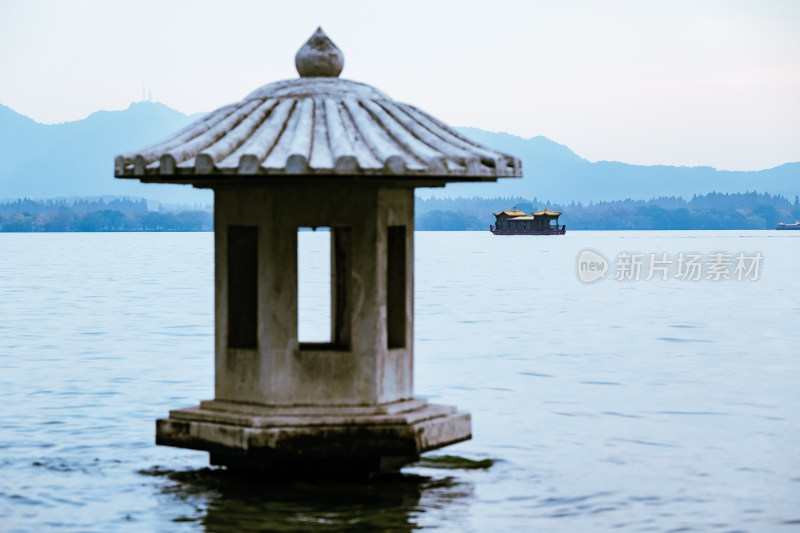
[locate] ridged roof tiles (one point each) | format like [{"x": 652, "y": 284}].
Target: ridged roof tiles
[{"x": 316, "y": 126}]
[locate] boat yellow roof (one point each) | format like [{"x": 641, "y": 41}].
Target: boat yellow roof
[
  {"x": 512, "y": 213},
  {"x": 546, "y": 212}
]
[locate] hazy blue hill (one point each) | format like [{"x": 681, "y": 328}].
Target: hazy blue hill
[
  {"x": 541, "y": 146},
  {"x": 77, "y": 158},
  {"x": 20, "y": 137},
  {"x": 552, "y": 171}
]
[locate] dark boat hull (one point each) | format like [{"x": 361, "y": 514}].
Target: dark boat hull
[{"x": 560, "y": 231}]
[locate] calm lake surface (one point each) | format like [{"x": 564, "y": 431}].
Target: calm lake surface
[{"x": 629, "y": 406}]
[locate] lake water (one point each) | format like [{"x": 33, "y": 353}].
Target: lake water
[{"x": 621, "y": 405}]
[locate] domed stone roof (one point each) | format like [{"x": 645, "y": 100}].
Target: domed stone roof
[{"x": 314, "y": 126}]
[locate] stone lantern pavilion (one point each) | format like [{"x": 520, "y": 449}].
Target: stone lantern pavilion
[{"x": 316, "y": 151}]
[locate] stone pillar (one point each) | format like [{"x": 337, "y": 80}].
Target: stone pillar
[{"x": 369, "y": 360}]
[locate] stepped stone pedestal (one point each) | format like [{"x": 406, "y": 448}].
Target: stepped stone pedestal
[{"x": 338, "y": 440}]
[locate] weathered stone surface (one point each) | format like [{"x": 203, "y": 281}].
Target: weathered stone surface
[
  {"x": 392, "y": 408},
  {"x": 257, "y": 440},
  {"x": 201, "y": 414},
  {"x": 282, "y": 371},
  {"x": 319, "y": 57}
]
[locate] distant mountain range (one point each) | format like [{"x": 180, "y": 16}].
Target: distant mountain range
[
  {"x": 76, "y": 159},
  {"x": 554, "y": 172}
]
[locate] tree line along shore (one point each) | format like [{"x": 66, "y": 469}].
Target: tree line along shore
[
  {"x": 712, "y": 211},
  {"x": 89, "y": 215}
]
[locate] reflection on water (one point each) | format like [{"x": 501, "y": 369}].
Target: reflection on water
[
  {"x": 226, "y": 502},
  {"x": 650, "y": 406}
]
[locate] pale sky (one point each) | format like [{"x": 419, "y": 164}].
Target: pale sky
[{"x": 677, "y": 82}]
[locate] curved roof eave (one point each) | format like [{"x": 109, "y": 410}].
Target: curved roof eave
[{"x": 316, "y": 126}]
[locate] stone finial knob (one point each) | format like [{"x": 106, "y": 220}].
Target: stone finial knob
[{"x": 319, "y": 57}]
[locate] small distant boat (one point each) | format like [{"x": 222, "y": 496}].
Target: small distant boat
[
  {"x": 783, "y": 225},
  {"x": 516, "y": 222}
]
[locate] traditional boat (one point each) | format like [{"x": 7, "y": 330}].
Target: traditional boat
[
  {"x": 516, "y": 222},
  {"x": 783, "y": 225}
]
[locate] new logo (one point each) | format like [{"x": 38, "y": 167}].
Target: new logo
[{"x": 591, "y": 266}]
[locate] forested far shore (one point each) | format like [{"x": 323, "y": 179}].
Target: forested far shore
[
  {"x": 712, "y": 211},
  {"x": 703, "y": 212},
  {"x": 67, "y": 220}
]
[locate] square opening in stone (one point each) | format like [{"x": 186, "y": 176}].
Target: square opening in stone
[{"x": 323, "y": 288}]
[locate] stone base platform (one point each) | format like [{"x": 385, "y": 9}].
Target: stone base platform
[{"x": 312, "y": 440}]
